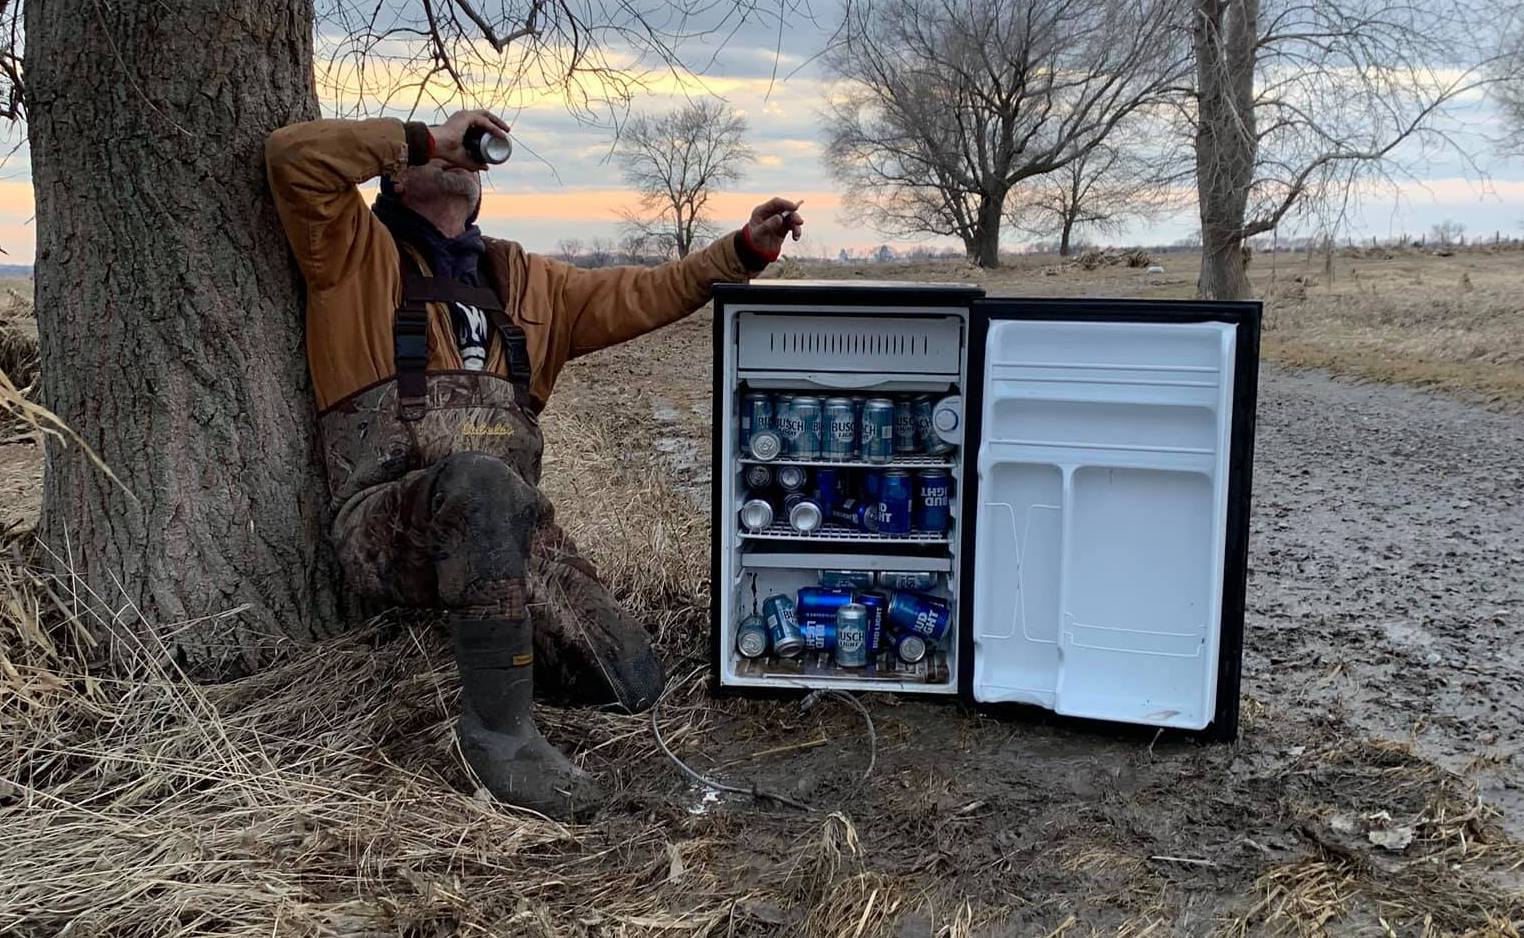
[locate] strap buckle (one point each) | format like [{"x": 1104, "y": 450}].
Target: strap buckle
[{"x": 410, "y": 355}]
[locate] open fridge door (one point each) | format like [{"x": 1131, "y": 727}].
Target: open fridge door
[{"x": 1109, "y": 548}]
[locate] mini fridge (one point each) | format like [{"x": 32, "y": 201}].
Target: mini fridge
[{"x": 1079, "y": 473}]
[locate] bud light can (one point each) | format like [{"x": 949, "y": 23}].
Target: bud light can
[
  {"x": 757, "y": 514},
  {"x": 926, "y": 616},
  {"x": 767, "y": 445},
  {"x": 910, "y": 647},
  {"x": 806, "y": 412},
  {"x": 856, "y": 514},
  {"x": 840, "y": 429},
  {"x": 915, "y": 582},
  {"x": 895, "y": 497},
  {"x": 827, "y": 488},
  {"x": 803, "y": 513},
  {"x": 907, "y": 441},
  {"x": 758, "y": 477},
  {"x": 847, "y": 579},
  {"x": 782, "y": 626},
  {"x": 852, "y": 636},
  {"x": 819, "y": 635},
  {"x": 878, "y": 430},
  {"x": 877, "y": 605},
  {"x": 820, "y": 602},
  {"x": 751, "y": 637},
  {"x": 792, "y": 478},
  {"x": 932, "y": 498},
  {"x": 756, "y": 414}
]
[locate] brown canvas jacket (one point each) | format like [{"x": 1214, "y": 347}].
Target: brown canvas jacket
[{"x": 354, "y": 281}]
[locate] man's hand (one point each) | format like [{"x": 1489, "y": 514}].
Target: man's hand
[
  {"x": 771, "y": 222},
  {"x": 449, "y": 136}
]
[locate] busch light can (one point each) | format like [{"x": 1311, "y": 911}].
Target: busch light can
[
  {"x": 767, "y": 445},
  {"x": 840, "y": 429},
  {"x": 751, "y": 637},
  {"x": 877, "y": 605},
  {"x": 923, "y": 582},
  {"x": 806, "y": 414},
  {"x": 792, "y": 478},
  {"x": 782, "y": 626},
  {"x": 895, "y": 497},
  {"x": 827, "y": 488},
  {"x": 820, "y": 602},
  {"x": 907, "y": 441},
  {"x": 758, "y": 477},
  {"x": 803, "y": 513},
  {"x": 857, "y": 419},
  {"x": 847, "y": 579},
  {"x": 819, "y": 635},
  {"x": 933, "y": 493},
  {"x": 857, "y": 514},
  {"x": 878, "y": 430},
  {"x": 757, "y": 514},
  {"x": 788, "y": 424},
  {"x": 926, "y": 431},
  {"x": 910, "y": 647},
  {"x": 926, "y": 616},
  {"x": 852, "y": 636},
  {"x": 756, "y": 414}
]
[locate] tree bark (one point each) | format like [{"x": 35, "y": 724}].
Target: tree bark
[
  {"x": 1063, "y": 238},
  {"x": 987, "y": 237},
  {"x": 1226, "y": 32},
  {"x": 170, "y": 318}
]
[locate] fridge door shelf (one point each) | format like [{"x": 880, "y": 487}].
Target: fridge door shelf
[
  {"x": 760, "y": 558},
  {"x": 780, "y": 531},
  {"x": 817, "y": 666},
  {"x": 899, "y": 462}
]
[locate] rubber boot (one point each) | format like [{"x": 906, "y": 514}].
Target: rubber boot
[{"x": 497, "y": 732}]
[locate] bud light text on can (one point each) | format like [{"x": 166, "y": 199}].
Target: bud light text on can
[
  {"x": 757, "y": 514},
  {"x": 922, "y": 582},
  {"x": 852, "y": 636},
  {"x": 847, "y": 579},
  {"x": 907, "y": 442},
  {"x": 758, "y": 477},
  {"x": 856, "y": 514},
  {"x": 803, "y": 512},
  {"x": 933, "y": 496},
  {"x": 806, "y": 412},
  {"x": 751, "y": 637},
  {"x": 878, "y": 430},
  {"x": 910, "y": 648},
  {"x": 926, "y": 616},
  {"x": 819, "y": 635},
  {"x": 877, "y": 605},
  {"x": 840, "y": 429},
  {"x": 827, "y": 488},
  {"x": 820, "y": 601},
  {"x": 756, "y": 414},
  {"x": 766, "y": 445},
  {"x": 895, "y": 497},
  {"x": 792, "y": 478},
  {"x": 782, "y": 626}
]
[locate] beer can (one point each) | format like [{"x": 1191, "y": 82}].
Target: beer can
[
  {"x": 847, "y": 579},
  {"x": 787, "y": 423},
  {"x": 820, "y": 601},
  {"x": 486, "y": 148},
  {"x": 782, "y": 626},
  {"x": 920, "y": 406},
  {"x": 857, "y": 417},
  {"x": 840, "y": 429},
  {"x": 756, "y": 414},
  {"x": 806, "y": 414},
  {"x": 792, "y": 478},
  {"x": 877, "y": 604},
  {"x": 916, "y": 582},
  {"x": 819, "y": 635},
  {"x": 932, "y": 501},
  {"x": 926, "y": 616},
  {"x": 872, "y": 484},
  {"x": 857, "y": 514},
  {"x": 895, "y": 497},
  {"x": 758, "y": 477},
  {"x": 803, "y": 512},
  {"x": 766, "y": 445},
  {"x": 946, "y": 415},
  {"x": 852, "y": 636},
  {"x": 906, "y": 439},
  {"x": 827, "y": 487},
  {"x": 751, "y": 637},
  {"x": 878, "y": 430},
  {"x": 910, "y": 647},
  {"x": 757, "y": 514}
]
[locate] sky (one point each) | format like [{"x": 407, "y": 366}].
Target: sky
[{"x": 562, "y": 184}]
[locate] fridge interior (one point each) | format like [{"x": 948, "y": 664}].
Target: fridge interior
[{"x": 839, "y": 351}]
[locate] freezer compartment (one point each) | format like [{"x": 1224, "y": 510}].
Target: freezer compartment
[{"x": 849, "y": 343}]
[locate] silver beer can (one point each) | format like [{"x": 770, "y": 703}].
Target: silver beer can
[
  {"x": 757, "y": 514},
  {"x": 792, "y": 478},
  {"x": 805, "y": 414},
  {"x": 766, "y": 445},
  {"x": 839, "y": 429},
  {"x": 758, "y": 477},
  {"x": 751, "y": 637},
  {"x": 804, "y": 514},
  {"x": 852, "y": 636}
]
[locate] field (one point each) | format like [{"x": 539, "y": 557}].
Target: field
[{"x": 1375, "y": 791}]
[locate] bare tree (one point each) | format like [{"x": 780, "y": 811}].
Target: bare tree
[
  {"x": 1297, "y": 105},
  {"x": 1448, "y": 232},
  {"x": 569, "y": 249},
  {"x": 632, "y": 247},
  {"x": 1103, "y": 190},
  {"x": 676, "y": 161},
  {"x": 944, "y": 107},
  {"x": 600, "y": 252}
]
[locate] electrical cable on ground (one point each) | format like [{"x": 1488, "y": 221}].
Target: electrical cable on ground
[{"x": 813, "y": 696}]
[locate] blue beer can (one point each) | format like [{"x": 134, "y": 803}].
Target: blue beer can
[
  {"x": 827, "y": 488},
  {"x": 807, "y": 413},
  {"x": 847, "y": 579},
  {"x": 932, "y": 501},
  {"x": 878, "y": 430},
  {"x": 821, "y": 602},
  {"x": 877, "y": 604},
  {"x": 907, "y": 438},
  {"x": 839, "y": 429},
  {"x": 926, "y": 616},
  {"x": 782, "y": 626},
  {"x": 856, "y": 514},
  {"x": 819, "y": 634},
  {"x": 756, "y": 414},
  {"x": 895, "y": 497},
  {"x": 872, "y": 483}
]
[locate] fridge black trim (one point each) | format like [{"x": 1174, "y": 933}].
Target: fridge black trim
[{"x": 1246, "y": 317}]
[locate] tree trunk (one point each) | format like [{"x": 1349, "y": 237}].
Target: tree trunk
[
  {"x": 170, "y": 318},
  {"x": 986, "y": 245},
  {"x": 1063, "y": 238},
  {"x": 1226, "y": 140}
]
